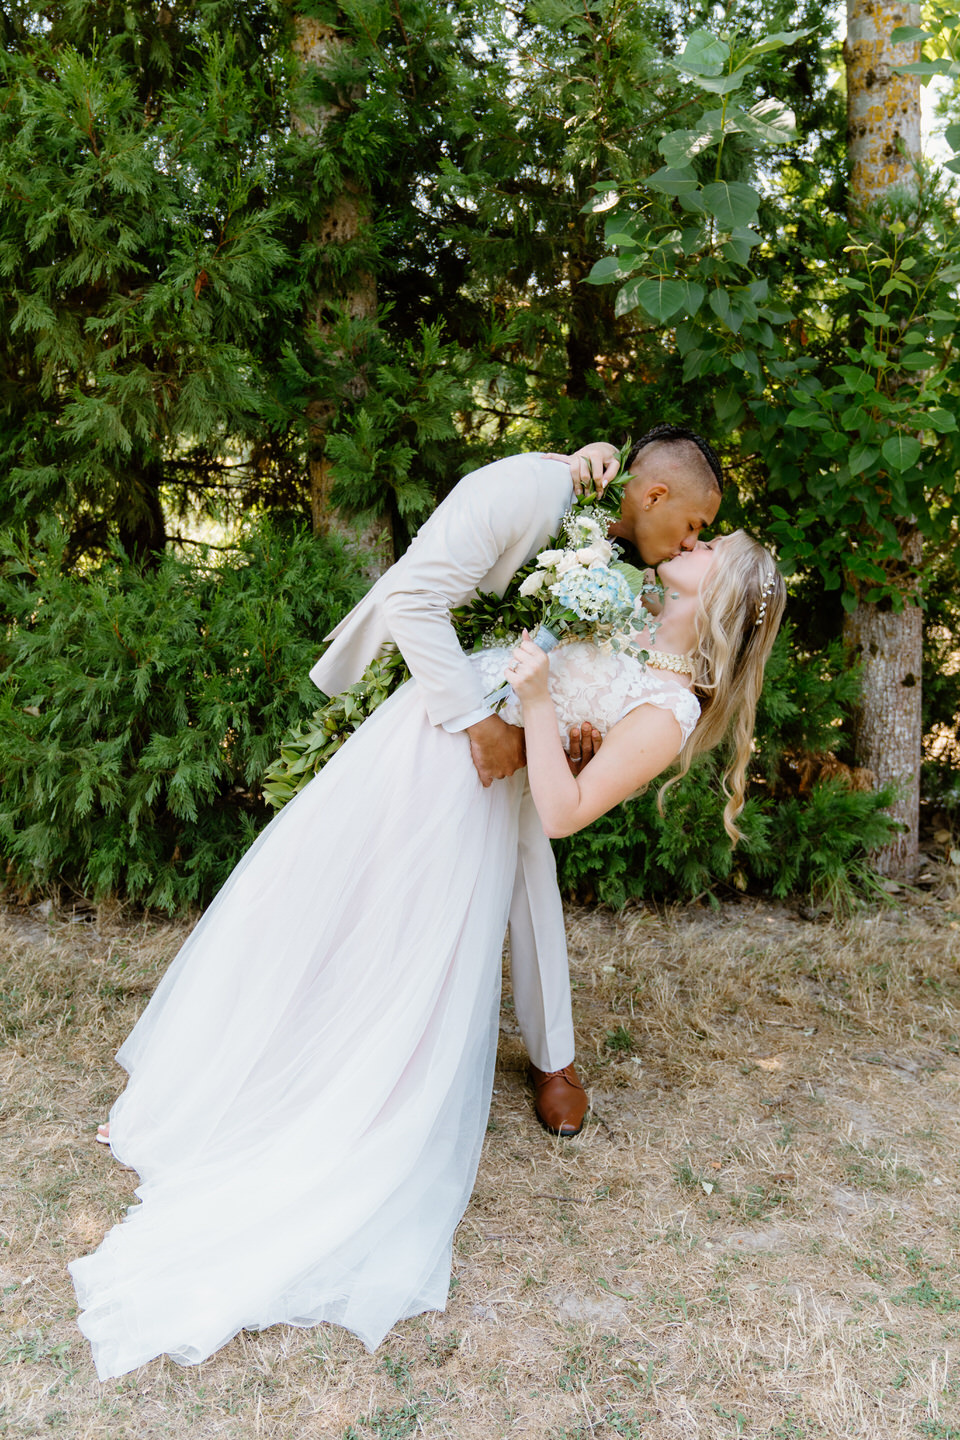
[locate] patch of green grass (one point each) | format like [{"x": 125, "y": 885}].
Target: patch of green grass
[
  {"x": 395, "y": 1424},
  {"x": 927, "y": 1297},
  {"x": 619, "y": 1040},
  {"x": 758, "y": 1202}
]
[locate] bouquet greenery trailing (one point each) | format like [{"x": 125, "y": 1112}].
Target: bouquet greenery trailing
[{"x": 487, "y": 620}]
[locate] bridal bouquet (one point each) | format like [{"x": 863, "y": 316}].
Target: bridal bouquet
[{"x": 587, "y": 594}]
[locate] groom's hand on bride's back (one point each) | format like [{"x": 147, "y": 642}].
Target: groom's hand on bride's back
[{"x": 497, "y": 749}]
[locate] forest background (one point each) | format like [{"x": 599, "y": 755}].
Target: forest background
[{"x": 270, "y": 271}]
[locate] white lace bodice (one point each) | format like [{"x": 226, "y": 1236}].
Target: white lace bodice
[{"x": 587, "y": 683}]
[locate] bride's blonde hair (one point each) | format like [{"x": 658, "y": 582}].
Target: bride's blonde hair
[{"x": 739, "y": 614}]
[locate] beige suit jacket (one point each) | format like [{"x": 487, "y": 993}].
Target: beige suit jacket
[{"x": 492, "y": 523}]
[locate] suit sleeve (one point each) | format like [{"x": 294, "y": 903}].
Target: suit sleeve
[{"x": 488, "y": 513}]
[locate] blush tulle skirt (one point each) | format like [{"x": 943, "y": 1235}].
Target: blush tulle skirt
[{"x": 309, "y": 1085}]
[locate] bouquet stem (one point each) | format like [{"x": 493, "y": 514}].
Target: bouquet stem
[{"x": 546, "y": 640}]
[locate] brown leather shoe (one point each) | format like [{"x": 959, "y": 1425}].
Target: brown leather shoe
[{"x": 559, "y": 1099}]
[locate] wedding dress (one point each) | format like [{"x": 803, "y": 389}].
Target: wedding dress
[{"x": 309, "y": 1085}]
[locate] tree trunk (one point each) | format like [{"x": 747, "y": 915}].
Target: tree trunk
[
  {"x": 888, "y": 726},
  {"x": 344, "y": 220},
  {"x": 141, "y": 525},
  {"x": 883, "y": 143},
  {"x": 883, "y": 109}
]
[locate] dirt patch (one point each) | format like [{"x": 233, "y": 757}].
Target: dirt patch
[{"x": 755, "y": 1234}]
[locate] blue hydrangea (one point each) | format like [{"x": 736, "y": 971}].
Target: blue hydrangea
[{"x": 597, "y": 594}]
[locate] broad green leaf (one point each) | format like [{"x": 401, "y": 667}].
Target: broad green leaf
[
  {"x": 861, "y": 458},
  {"x": 660, "y": 297},
  {"x": 903, "y": 34},
  {"x": 857, "y": 380},
  {"x": 720, "y": 305},
  {"x": 921, "y": 360},
  {"x": 703, "y": 54},
  {"x": 923, "y": 67},
  {"x": 943, "y": 421},
  {"x": 631, "y": 574},
  {"x": 694, "y": 295},
  {"x": 608, "y": 269},
  {"x": 669, "y": 181},
  {"x": 739, "y": 243},
  {"x": 776, "y": 41},
  {"x": 728, "y": 406},
  {"x": 679, "y": 147},
  {"x": 608, "y": 195},
  {"x": 769, "y": 120},
  {"x": 724, "y": 84},
  {"x": 901, "y": 451},
  {"x": 953, "y": 165},
  {"x": 732, "y": 202},
  {"x": 952, "y": 136}
]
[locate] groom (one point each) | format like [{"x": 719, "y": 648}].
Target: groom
[{"x": 494, "y": 521}]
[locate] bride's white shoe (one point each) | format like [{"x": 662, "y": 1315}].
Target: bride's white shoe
[{"x": 103, "y": 1134}]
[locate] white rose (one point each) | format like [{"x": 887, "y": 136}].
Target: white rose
[
  {"x": 568, "y": 561},
  {"x": 533, "y": 583},
  {"x": 598, "y": 553},
  {"x": 549, "y": 557}
]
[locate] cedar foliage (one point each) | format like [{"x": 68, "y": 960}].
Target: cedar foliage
[{"x": 138, "y": 710}]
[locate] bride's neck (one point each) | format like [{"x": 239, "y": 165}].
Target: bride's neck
[{"x": 673, "y": 631}]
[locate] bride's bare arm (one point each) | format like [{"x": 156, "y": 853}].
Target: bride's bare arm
[{"x": 636, "y": 750}]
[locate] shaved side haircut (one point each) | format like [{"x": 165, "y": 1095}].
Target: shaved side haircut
[{"x": 687, "y": 444}]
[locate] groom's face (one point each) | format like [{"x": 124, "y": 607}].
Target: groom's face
[{"x": 665, "y": 505}]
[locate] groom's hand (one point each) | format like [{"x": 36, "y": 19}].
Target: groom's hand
[
  {"x": 592, "y": 467},
  {"x": 585, "y": 741},
  {"x": 497, "y": 749}
]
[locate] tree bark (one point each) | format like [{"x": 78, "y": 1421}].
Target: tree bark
[
  {"x": 344, "y": 220},
  {"x": 888, "y": 724},
  {"x": 883, "y": 109},
  {"x": 883, "y": 143}
]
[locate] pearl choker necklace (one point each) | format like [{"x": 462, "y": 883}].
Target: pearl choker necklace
[{"x": 663, "y": 660}]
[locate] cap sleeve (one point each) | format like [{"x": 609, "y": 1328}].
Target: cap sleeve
[{"x": 682, "y": 704}]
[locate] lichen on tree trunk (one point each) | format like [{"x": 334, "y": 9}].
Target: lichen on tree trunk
[
  {"x": 889, "y": 646},
  {"x": 341, "y": 224},
  {"x": 883, "y": 144}
]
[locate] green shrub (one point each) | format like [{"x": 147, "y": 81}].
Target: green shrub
[
  {"x": 139, "y": 711},
  {"x": 816, "y": 844}
]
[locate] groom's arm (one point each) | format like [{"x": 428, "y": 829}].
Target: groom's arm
[{"x": 502, "y": 511}]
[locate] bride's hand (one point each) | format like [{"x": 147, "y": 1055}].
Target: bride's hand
[{"x": 529, "y": 671}]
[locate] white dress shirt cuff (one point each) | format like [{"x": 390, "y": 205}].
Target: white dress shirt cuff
[{"x": 460, "y": 722}]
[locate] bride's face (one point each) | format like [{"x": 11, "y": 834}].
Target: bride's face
[{"x": 685, "y": 573}]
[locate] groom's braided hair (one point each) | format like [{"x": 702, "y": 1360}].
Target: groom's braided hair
[{"x": 679, "y": 434}]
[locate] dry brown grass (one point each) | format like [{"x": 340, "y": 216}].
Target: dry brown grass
[{"x": 755, "y": 1235}]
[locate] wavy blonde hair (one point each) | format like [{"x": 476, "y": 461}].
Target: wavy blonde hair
[{"x": 731, "y": 652}]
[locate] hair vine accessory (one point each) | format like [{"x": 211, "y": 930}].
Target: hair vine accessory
[{"x": 765, "y": 594}]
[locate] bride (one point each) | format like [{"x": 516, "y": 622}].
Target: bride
[{"x": 309, "y": 1085}]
